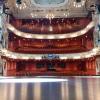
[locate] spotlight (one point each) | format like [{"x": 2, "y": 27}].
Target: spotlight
[{"x": 18, "y": 1}]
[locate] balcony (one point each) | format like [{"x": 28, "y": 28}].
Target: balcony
[{"x": 54, "y": 26}]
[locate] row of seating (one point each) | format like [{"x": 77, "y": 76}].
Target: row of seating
[
  {"x": 69, "y": 73},
  {"x": 45, "y": 43},
  {"x": 50, "y": 50}
]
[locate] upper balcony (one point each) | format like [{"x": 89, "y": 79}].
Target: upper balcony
[{"x": 53, "y": 26}]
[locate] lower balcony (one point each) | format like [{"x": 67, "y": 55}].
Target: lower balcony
[{"x": 51, "y": 67}]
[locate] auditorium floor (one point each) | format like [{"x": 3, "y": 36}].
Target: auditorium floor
[{"x": 63, "y": 88}]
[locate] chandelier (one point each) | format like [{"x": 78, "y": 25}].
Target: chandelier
[{"x": 50, "y": 15}]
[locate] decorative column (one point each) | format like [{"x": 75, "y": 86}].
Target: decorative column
[
  {"x": 97, "y": 42},
  {"x": 2, "y": 62},
  {"x": 98, "y": 66},
  {"x": 4, "y": 65},
  {"x": 96, "y": 19},
  {"x": 1, "y": 33}
]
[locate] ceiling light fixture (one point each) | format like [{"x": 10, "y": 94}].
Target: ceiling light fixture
[{"x": 50, "y": 16}]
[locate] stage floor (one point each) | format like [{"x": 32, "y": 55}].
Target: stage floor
[{"x": 62, "y": 88}]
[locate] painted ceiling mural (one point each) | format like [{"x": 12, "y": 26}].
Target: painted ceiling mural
[{"x": 45, "y": 2}]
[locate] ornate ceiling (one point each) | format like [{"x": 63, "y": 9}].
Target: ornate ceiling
[
  {"x": 49, "y": 8},
  {"x": 49, "y": 3}
]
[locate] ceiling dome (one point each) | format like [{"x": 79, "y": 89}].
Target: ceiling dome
[
  {"x": 49, "y": 3},
  {"x": 45, "y": 2}
]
